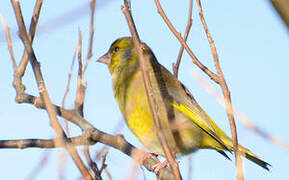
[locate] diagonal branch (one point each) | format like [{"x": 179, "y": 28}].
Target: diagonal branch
[
  {"x": 226, "y": 93},
  {"x": 282, "y": 7},
  {"x": 189, "y": 25},
  {"x": 178, "y": 35},
  {"x": 89, "y": 54},
  {"x": 156, "y": 107},
  {"x": 32, "y": 30}
]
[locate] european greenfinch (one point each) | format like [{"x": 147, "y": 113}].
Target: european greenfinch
[{"x": 191, "y": 127}]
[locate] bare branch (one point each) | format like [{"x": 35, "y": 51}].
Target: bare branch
[
  {"x": 9, "y": 43},
  {"x": 67, "y": 90},
  {"x": 212, "y": 75},
  {"x": 90, "y": 137},
  {"x": 89, "y": 54},
  {"x": 96, "y": 173},
  {"x": 81, "y": 87},
  {"x": 42, "y": 143},
  {"x": 282, "y": 7},
  {"x": 227, "y": 96},
  {"x": 156, "y": 107},
  {"x": 189, "y": 25},
  {"x": 32, "y": 30}
]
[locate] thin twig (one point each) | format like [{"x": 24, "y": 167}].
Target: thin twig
[
  {"x": 89, "y": 54},
  {"x": 96, "y": 173},
  {"x": 227, "y": 95},
  {"x": 103, "y": 160},
  {"x": 32, "y": 31},
  {"x": 189, "y": 25},
  {"x": 101, "y": 157},
  {"x": 67, "y": 90},
  {"x": 81, "y": 86},
  {"x": 156, "y": 107},
  {"x": 178, "y": 35},
  {"x": 9, "y": 43},
  {"x": 282, "y": 7}
]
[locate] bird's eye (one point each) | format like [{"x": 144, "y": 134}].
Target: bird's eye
[{"x": 115, "y": 49}]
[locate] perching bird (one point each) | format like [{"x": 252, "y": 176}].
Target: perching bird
[{"x": 191, "y": 127}]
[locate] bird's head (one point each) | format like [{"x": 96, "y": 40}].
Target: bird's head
[{"x": 120, "y": 56}]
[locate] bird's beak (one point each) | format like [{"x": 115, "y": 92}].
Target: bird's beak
[{"x": 105, "y": 59}]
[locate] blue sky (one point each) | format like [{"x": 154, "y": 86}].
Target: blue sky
[{"x": 253, "y": 47}]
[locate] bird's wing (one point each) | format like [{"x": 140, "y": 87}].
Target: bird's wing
[
  {"x": 198, "y": 119},
  {"x": 185, "y": 103}
]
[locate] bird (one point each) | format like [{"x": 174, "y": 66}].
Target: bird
[{"x": 191, "y": 127}]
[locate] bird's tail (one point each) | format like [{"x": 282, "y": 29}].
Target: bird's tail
[
  {"x": 247, "y": 153},
  {"x": 252, "y": 157},
  {"x": 214, "y": 135}
]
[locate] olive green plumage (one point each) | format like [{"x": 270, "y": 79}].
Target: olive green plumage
[{"x": 191, "y": 127}]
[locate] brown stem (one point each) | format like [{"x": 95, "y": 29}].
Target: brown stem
[
  {"x": 89, "y": 54},
  {"x": 178, "y": 35},
  {"x": 189, "y": 25},
  {"x": 226, "y": 93},
  {"x": 282, "y": 7},
  {"x": 32, "y": 30},
  {"x": 67, "y": 91},
  {"x": 156, "y": 107},
  {"x": 81, "y": 87},
  {"x": 90, "y": 137},
  {"x": 92, "y": 164}
]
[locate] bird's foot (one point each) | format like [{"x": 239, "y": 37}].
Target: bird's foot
[
  {"x": 159, "y": 166},
  {"x": 140, "y": 156}
]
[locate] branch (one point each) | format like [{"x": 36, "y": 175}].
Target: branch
[
  {"x": 81, "y": 86},
  {"x": 89, "y": 54},
  {"x": 282, "y": 8},
  {"x": 42, "y": 143},
  {"x": 156, "y": 107},
  {"x": 32, "y": 31},
  {"x": 96, "y": 172},
  {"x": 90, "y": 137},
  {"x": 189, "y": 25},
  {"x": 67, "y": 90},
  {"x": 212, "y": 75},
  {"x": 227, "y": 95}
]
